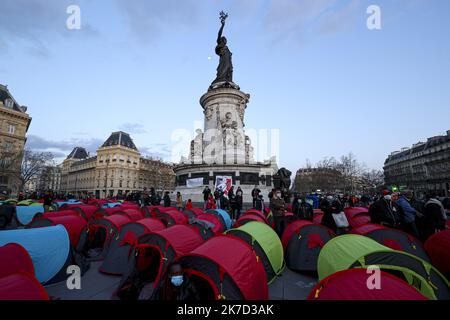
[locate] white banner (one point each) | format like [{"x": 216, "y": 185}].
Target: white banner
[{"x": 194, "y": 183}]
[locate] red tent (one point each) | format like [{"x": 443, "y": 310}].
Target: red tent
[
  {"x": 172, "y": 217},
  {"x": 318, "y": 218},
  {"x": 226, "y": 267},
  {"x": 151, "y": 255},
  {"x": 247, "y": 218},
  {"x": 116, "y": 259},
  {"x": 133, "y": 214},
  {"x": 351, "y": 284},
  {"x": 86, "y": 211},
  {"x": 152, "y": 211},
  {"x": 74, "y": 225},
  {"x": 438, "y": 248},
  {"x": 357, "y": 216},
  {"x": 261, "y": 214},
  {"x": 302, "y": 242},
  {"x": 17, "y": 279},
  {"x": 393, "y": 238},
  {"x": 100, "y": 233},
  {"x": 212, "y": 218},
  {"x": 193, "y": 212},
  {"x": 21, "y": 286},
  {"x": 63, "y": 213},
  {"x": 14, "y": 258}
]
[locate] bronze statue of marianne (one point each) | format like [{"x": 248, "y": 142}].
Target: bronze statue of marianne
[{"x": 225, "y": 68}]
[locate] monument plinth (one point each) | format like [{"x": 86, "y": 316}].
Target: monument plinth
[{"x": 222, "y": 148}]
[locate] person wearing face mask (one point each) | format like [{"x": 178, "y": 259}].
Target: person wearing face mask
[
  {"x": 176, "y": 285},
  {"x": 386, "y": 211},
  {"x": 301, "y": 209},
  {"x": 329, "y": 206},
  {"x": 278, "y": 207}
]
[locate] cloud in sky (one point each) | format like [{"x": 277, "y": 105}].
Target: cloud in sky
[
  {"x": 146, "y": 19},
  {"x": 62, "y": 148},
  {"x": 289, "y": 19},
  {"x": 35, "y": 24}
]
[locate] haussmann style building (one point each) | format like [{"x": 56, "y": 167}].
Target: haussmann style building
[
  {"x": 117, "y": 169},
  {"x": 423, "y": 168},
  {"x": 14, "y": 124}
]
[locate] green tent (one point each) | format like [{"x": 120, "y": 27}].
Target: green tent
[
  {"x": 265, "y": 243},
  {"x": 25, "y": 202},
  {"x": 355, "y": 251}
]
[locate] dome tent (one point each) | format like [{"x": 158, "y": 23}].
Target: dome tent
[
  {"x": 351, "y": 284},
  {"x": 25, "y": 214},
  {"x": 226, "y": 268},
  {"x": 223, "y": 215},
  {"x": 49, "y": 249},
  {"x": 266, "y": 244},
  {"x": 392, "y": 238},
  {"x": 17, "y": 277},
  {"x": 246, "y": 219},
  {"x": 438, "y": 247},
  {"x": 302, "y": 242},
  {"x": 95, "y": 241},
  {"x": 355, "y": 251},
  {"x": 152, "y": 253},
  {"x": 116, "y": 260},
  {"x": 172, "y": 217}
]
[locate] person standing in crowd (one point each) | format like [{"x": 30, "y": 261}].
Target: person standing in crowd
[
  {"x": 301, "y": 209},
  {"x": 223, "y": 201},
  {"x": 166, "y": 199},
  {"x": 176, "y": 286},
  {"x": 330, "y": 206},
  {"x": 206, "y": 194},
  {"x": 434, "y": 219},
  {"x": 271, "y": 195},
  {"x": 255, "y": 194},
  {"x": 48, "y": 200},
  {"x": 278, "y": 207},
  {"x": 179, "y": 201},
  {"x": 189, "y": 205},
  {"x": 259, "y": 205},
  {"x": 385, "y": 211},
  {"x": 217, "y": 197},
  {"x": 239, "y": 201},
  {"x": 211, "y": 203},
  {"x": 408, "y": 219}
]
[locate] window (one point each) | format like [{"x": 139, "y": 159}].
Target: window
[
  {"x": 8, "y": 146},
  {"x": 11, "y": 129},
  {"x": 9, "y": 103}
]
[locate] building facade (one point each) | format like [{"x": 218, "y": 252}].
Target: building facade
[
  {"x": 425, "y": 167},
  {"x": 14, "y": 124},
  {"x": 314, "y": 179},
  {"x": 117, "y": 169}
]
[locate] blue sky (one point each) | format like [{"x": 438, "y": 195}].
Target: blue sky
[{"x": 313, "y": 70}]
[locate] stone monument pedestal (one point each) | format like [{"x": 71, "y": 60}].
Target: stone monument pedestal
[{"x": 223, "y": 149}]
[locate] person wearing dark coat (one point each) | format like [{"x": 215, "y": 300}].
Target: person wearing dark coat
[
  {"x": 176, "y": 286},
  {"x": 166, "y": 199},
  {"x": 434, "y": 218},
  {"x": 330, "y": 206},
  {"x": 239, "y": 201},
  {"x": 385, "y": 211}
]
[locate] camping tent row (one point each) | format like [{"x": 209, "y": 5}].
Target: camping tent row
[
  {"x": 236, "y": 265},
  {"x": 356, "y": 251},
  {"x": 17, "y": 277},
  {"x": 356, "y": 216}
]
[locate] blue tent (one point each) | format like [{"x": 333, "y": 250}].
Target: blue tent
[
  {"x": 225, "y": 216},
  {"x": 48, "y": 248},
  {"x": 26, "y": 213},
  {"x": 111, "y": 205}
]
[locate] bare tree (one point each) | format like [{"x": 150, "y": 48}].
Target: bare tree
[
  {"x": 33, "y": 165},
  {"x": 351, "y": 169},
  {"x": 373, "y": 178}
]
